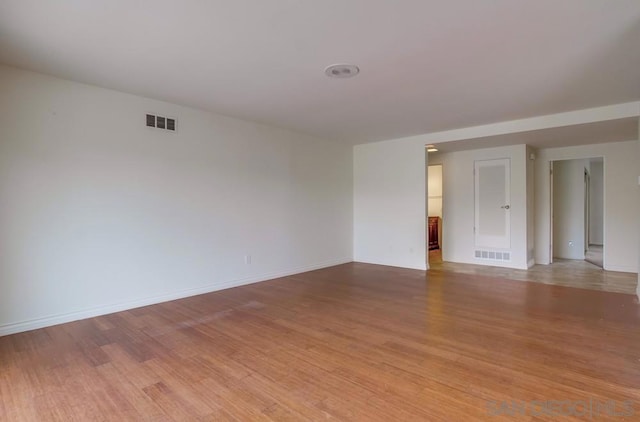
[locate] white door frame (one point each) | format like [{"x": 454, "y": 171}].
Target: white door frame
[
  {"x": 551, "y": 212},
  {"x": 604, "y": 200}
]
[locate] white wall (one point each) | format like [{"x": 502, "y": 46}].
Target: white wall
[
  {"x": 568, "y": 209},
  {"x": 638, "y": 199},
  {"x": 389, "y": 204},
  {"x": 458, "y": 204},
  {"x": 434, "y": 182},
  {"x": 100, "y": 213},
  {"x": 531, "y": 205},
  {"x": 379, "y": 233},
  {"x": 621, "y": 204},
  {"x": 596, "y": 203}
]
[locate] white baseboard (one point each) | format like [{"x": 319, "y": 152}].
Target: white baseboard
[
  {"x": 621, "y": 268},
  {"x": 33, "y": 324},
  {"x": 422, "y": 267}
]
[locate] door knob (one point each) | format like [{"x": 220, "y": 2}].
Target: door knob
[{"x": 505, "y": 207}]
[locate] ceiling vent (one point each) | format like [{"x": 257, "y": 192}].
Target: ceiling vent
[
  {"x": 342, "y": 71},
  {"x": 161, "y": 122}
]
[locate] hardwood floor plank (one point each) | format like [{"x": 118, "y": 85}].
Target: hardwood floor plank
[{"x": 143, "y": 406}]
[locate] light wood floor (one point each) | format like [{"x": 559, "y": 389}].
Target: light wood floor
[
  {"x": 594, "y": 255},
  {"x": 354, "y": 342},
  {"x": 563, "y": 272}
]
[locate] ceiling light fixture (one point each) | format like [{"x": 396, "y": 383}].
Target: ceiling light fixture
[
  {"x": 431, "y": 148},
  {"x": 342, "y": 71}
]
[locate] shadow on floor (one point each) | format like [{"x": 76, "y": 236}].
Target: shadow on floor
[{"x": 594, "y": 255}]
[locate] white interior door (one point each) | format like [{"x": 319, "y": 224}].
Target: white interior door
[{"x": 492, "y": 203}]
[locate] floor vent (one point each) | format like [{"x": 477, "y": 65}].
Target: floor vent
[
  {"x": 493, "y": 255},
  {"x": 161, "y": 122}
]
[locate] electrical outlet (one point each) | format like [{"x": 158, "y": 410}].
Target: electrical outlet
[{"x": 247, "y": 259}]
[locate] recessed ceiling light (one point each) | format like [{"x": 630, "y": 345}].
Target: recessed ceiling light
[
  {"x": 342, "y": 71},
  {"x": 431, "y": 148}
]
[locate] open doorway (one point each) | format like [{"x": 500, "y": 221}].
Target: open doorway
[
  {"x": 577, "y": 198},
  {"x": 434, "y": 212},
  {"x": 595, "y": 206}
]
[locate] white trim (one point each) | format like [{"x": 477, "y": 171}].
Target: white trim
[
  {"x": 409, "y": 267},
  {"x": 33, "y": 324},
  {"x": 621, "y": 268},
  {"x": 548, "y": 121},
  {"x": 604, "y": 210}
]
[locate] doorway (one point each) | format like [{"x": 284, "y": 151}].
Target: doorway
[
  {"x": 595, "y": 228},
  {"x": 434, "y": 212},
  {"x": 577, "y": 210}
]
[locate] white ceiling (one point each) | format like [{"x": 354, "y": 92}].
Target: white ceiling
[{"x": 426, "y": 65}]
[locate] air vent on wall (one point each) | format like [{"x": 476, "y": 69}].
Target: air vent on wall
[
  {"x": 161, "y": 122},
  {"x": 493, "y": 255}
]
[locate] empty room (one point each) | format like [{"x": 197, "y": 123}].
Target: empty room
[{"x": 319, "y": 210}]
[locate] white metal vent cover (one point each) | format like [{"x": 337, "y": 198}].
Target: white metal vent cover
[{"x": 492, "y": 255}]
